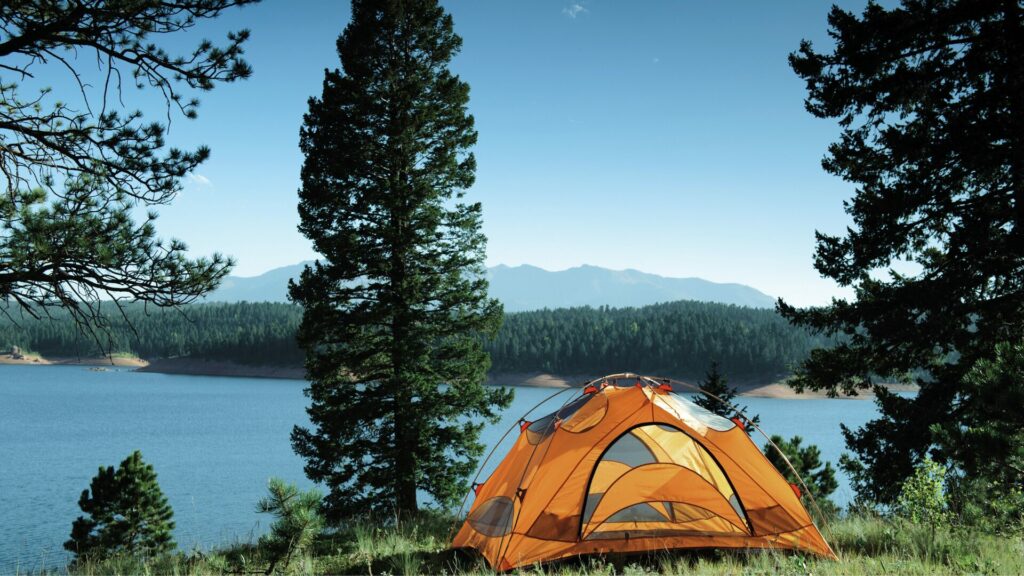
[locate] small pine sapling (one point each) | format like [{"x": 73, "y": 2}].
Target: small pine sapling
[
  {"x": 297, "y": 523},
  {"x": 125, "y": 513}
]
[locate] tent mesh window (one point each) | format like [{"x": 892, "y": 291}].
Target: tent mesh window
[
  {"x": 577, "y": 416},
  {"x": 693, "y": 415},
  {"x": 493, "y": 517},
  {"x": 655, "y": 480}
]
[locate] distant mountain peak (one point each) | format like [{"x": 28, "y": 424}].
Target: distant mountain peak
[{"x": 528, "y": 287}]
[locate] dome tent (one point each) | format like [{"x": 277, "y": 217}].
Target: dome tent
[{"x": 632, "y": 466}]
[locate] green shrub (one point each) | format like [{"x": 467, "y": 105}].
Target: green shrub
[
  {"x": 987, "y": 505},
  {"x": 922, "y": 498},
  {"x": 987, "y": 491}
]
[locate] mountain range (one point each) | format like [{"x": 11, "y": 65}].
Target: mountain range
[{"x": 528, "y": 287}]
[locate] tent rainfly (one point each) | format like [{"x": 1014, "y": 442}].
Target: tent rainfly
[{"x": 631, "y": 466}]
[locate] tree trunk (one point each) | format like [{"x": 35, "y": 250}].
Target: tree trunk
[
  {"x": 404, "y": 413},
  {"x": 405, "y": 468}
]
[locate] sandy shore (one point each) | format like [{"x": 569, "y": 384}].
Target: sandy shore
[
  {"x": 782, "y": 390},
  {"x": 535, "y": 379},
  {"x": 164, "y": 366},
  {"x": 33, "y": 359},
  {"x": 7, "y": 358}
]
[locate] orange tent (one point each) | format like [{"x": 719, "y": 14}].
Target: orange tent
[{"x": 631, "y": 466}]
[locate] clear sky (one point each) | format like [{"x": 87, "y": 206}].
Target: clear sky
[{"x": 668, "y": 137}]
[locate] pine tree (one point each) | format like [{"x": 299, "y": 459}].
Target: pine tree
[
  {"x": 930, "y": 99},
  {"x": 395, "y": 309},
  {"x": 819, "y": 478},
  {"x": 126, "y": 512},
  {"x": 720, "y": 396},
  {"x": 297, "y": 522}
]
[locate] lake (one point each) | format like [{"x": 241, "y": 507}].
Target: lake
[{"x": 214, "y": 443}]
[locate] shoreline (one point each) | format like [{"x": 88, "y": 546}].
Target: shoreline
[
  {"x": 118, "y": 361},
  {"x": 754, "y": 388}
]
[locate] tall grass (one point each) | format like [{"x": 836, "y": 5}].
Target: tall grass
[{"x": 865, "y": 545}]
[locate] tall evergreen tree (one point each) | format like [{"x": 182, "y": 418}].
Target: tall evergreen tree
[
  {"x": 930, "y": 96},
  {"x": 126, "y": 512},
  {"x": 394, "y": 310}
]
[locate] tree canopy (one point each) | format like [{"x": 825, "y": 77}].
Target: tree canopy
[
  {"x": 75, "y": 166},
  {"x": 929, "y": 98},
  {"x": 394, "y": 313}
]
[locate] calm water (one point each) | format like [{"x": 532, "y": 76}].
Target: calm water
[{"x": 214, "y": 443}]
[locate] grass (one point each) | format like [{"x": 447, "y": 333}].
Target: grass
[{"x": 865, "y": 545}]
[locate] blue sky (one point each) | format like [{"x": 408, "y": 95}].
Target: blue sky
[{"x": 667, "y": 136}]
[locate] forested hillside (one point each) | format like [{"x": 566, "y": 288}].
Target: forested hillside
[
  {"x": 678, "y": 338},
  {"x": 248, "y": 333}
]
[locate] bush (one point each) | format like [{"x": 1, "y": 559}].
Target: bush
[
  {"x": 987, "y": 491},
  {"x": 126, "y": 514},
  {"x": 922, "y": 498},
  {"x": 987, "y": 505}
]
